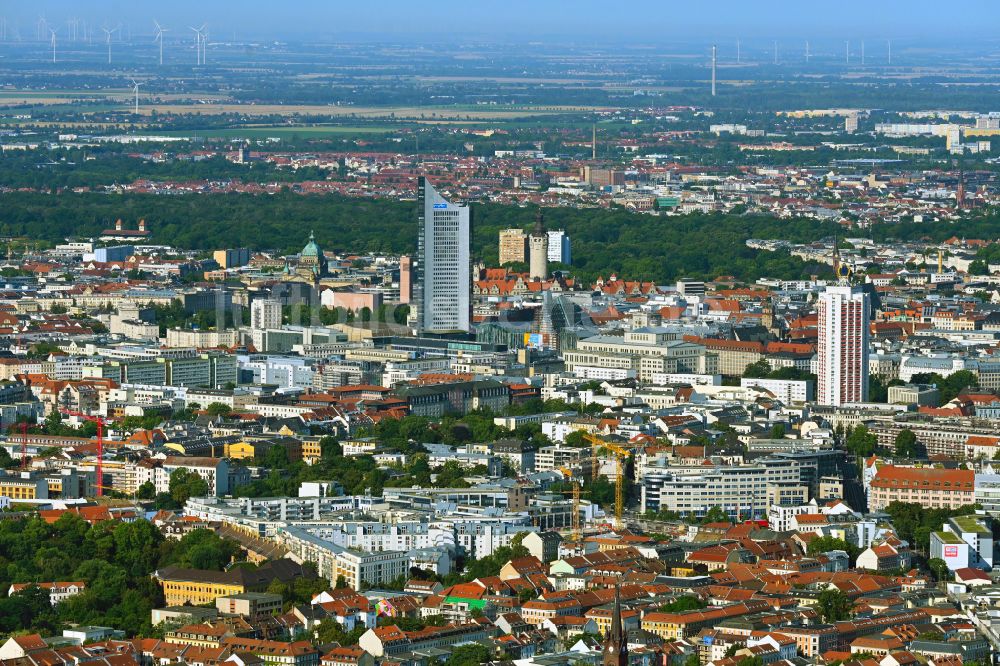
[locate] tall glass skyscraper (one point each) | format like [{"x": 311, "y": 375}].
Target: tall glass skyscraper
[{"x": 444, "y": 268}]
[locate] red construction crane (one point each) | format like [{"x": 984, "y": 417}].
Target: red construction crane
[
  {"x": 24, "y": 444},
  {"x": 101, "y": 422},
  {"x": 22, "y": 427}
]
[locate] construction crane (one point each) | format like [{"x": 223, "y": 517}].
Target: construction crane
[
  {"x": 22, "y": 427},
  {"x": 621, "y": 455},
  {"x": 568, "y": 473},
  {"x": 101, "y": 423}
]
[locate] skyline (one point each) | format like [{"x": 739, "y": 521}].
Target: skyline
[{"x": 522, "y": 20}]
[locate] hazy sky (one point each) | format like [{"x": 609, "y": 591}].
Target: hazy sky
[{"x": 578, "y": 20}]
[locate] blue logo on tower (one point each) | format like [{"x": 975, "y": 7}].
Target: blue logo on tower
[{"x": 440, "y": 206}]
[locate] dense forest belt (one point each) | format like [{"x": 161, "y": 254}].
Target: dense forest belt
[{"x": 634, "y": 246}]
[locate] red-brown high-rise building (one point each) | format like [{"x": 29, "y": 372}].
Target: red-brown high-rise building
[{"x": 405, "y": 278}]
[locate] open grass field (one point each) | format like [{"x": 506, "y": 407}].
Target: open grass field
[
  {"x": 397, "y": 113},
  {"x": 278, "y": 131}
]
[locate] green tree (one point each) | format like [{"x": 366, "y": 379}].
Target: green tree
[
  {"x": 939, "y": 568},
  {"x": 716, "y": 514},
  {"x": 200, "y": 549},
  {"x": 472, "y": 654},
  {"x": 906, "y": 443},
  {"x": 218, "y": 409},
  {"x": 825, "y": 544},
  {"x": 833, "y": 605},
  {"x": 6, "y": 460},
  {"x": 683, "y": 603},
  {"x": 861, "y": 442},
  {"x": 330, "y": 448},
  {"x": 757, "y": 370},
  {"x": 146, "y": 491},
  {"x": 185, "y": 484}
]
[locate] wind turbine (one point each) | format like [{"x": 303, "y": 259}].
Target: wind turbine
[
  {"x": 53, "y": 44},
  {"x": 197, "y": 42},
  {"x": 107, "y": 35},
  {"x": 135, "y": 88},
  {"x": 159, "y": 38}
]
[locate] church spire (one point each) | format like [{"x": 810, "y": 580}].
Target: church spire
[{"x": 616, "y": 644}]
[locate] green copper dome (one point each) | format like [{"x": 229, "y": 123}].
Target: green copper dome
[{"x": 311, "y": 249}]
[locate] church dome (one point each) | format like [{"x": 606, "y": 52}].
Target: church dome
[{"x": 311, "y": 249}]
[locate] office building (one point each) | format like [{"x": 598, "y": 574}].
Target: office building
[
  {"x": 232, "y": 258},
  {"x": 265, "y": 314},
  {"x": 603, "y": 177},
  {"x": 559, "y": 247},
  {"x": 930, "y": 487},
  {"x": 444, "y": 270},
  {"x": 843, "y": 345},
  {"x": 513, "y": 246}
]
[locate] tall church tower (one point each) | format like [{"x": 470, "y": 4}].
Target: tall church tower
[
  {"x": 538, "y": 244},
  {"x": 616, "y": 644}
]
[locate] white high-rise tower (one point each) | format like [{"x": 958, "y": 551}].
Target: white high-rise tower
[
  {"x": 444, "y": 269},
  {"x": 844, "y": 314}
]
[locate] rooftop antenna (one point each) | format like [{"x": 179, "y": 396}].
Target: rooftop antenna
[
  {"x": 159, "y": 38},
  {"x": 53, "y": 44},
  {"x": 135, "y": 88},
  {"x": 714, "y": 54}
]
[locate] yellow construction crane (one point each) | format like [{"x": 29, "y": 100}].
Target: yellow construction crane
[
  {"x": 568, "y": 473},
  {"x": 621, "y": 455}
]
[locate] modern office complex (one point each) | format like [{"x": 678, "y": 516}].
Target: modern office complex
[
  {"x": 444, "y": 271},
  {"x": 559, "y": 247}
]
